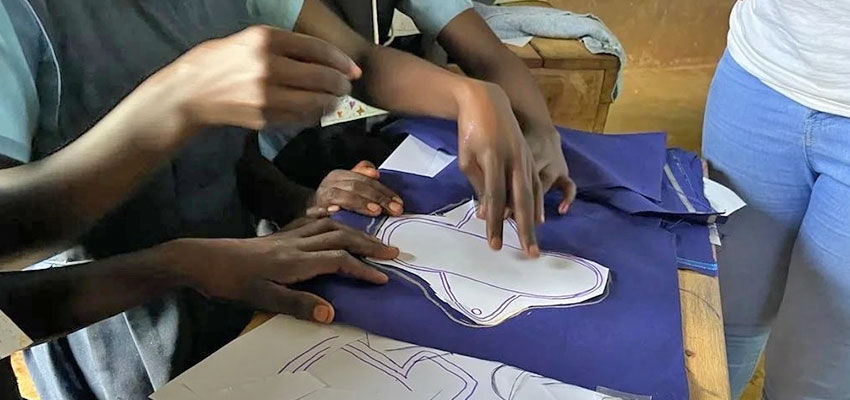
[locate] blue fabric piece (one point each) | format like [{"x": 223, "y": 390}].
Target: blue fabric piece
[
  {"x": 681, "y": 197},
  {"x": 631, "y": 341},
  {"x": 632, "y": 173},
  {"x": 632, "y": 162},
  {"x": 694, "y": 251}
]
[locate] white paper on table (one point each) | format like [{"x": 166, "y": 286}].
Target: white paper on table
[
  {"x": 348, "y": 108},
  {"x": 12, "y": 338},
  {"x": 337, "y": 362},
  {"x": 518, "y": 41},
  {"x": 721, "y": 198},
  {"x": 450, "y": 253},
  {"x": 257, "y": 355},
  {"x": 333, "y": 394},
  {"x": 413, "y": 156},
  {"x": 277, "y": 387}
]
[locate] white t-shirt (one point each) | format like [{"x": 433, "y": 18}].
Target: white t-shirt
[{"x": 800, "y": 48}]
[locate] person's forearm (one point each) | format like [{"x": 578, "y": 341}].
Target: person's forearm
[
  {"x": 266, "y": 191},
  {"x": 53, "y": 302},
  {"x": 45, "y": 205},
  {"x": 480, "y": 54},
  {"x": 393, "y": 80},
  {"x": 508, "y": 71}
]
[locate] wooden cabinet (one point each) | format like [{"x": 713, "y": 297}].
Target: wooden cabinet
[{"x": 577, "y": 85}]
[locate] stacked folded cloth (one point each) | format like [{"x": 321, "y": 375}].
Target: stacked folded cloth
[{"x": 641, "y": 212}]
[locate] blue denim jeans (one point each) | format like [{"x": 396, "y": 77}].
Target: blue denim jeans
[{"x": 785, "y": 260}]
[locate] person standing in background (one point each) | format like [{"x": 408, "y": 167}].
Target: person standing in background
[{"x": 777, "y": 131}]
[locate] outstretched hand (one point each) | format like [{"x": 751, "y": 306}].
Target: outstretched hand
[
  {"x": 355, "y": 190},
  {"x": 259, "y": 271},
  {"x": 498, "y": 162}
]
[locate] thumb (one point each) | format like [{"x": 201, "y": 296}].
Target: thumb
[
  {"x": 273, "y": 297},
  {"x": 366, "y": 168}
]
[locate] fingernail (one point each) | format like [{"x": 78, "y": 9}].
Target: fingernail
[
  {"x": 542, "y": 218},
  {"x": 563, "y": 208},
  {"x": 398, "y": 200},
  {"x": 534, "y": 251},
  {"x": 496, "y": 243},
  {"x": 356, "y": 72},
  {"x": 373, "y": 207},
  {"x": 322, "y": 313},
  {"x": 396, "y": 208},
  {"x": 333, "y": 209}
]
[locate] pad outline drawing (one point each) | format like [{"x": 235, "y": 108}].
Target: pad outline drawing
[
  {"x": 378, "y": 360},
  {"x": 388, "y": 226}
]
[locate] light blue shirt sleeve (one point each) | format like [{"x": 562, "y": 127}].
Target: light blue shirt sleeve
[
  {"x": 281, "y": 14},
  {"x": 19, "y": 105},
  {"x": 431, "y": 16}
]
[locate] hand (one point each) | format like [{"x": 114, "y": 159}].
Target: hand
[
  {"x": 356, "y": 190},
  {"x": 551, "y": 166},
  {"x": 496, "y": 158},
  {"x": 258, "y": 76},
  {"x": 258, "y": 271}
]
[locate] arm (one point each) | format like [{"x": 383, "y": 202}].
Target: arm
[
  {"x": 266, "y": 191},
  {"x": 279, "y": 77},
  {"x": 492, "y": 152},
  {"x": 471, "y": 43},
  {"x": 52, "y": 302}
]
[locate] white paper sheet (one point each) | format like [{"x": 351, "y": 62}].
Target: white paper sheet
[
  {"x": 721, "y": 198},
  {"x": 413, "y": 156},
  {"x": 337, "y": 362},
  {"x": 451, "y": 254},
  {"x": 12, "y": 338},
  {"x": 518, "y": 41}
]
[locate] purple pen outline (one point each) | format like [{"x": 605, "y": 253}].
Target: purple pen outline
[
  {"x": 390, "y": 227},
  {"x": 398, "y": 372},
  {"x": 319, "y": 354},
  {"x": 385, "y": 371},
  {"x": 423, "y": 355},
  {"x": 305, "y": 353}
]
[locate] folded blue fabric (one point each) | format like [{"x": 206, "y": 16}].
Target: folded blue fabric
[
  {"x": 633, "y": 173},
  {"x": 630, "y": 341}
]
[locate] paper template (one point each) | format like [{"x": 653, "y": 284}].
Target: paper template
[
  {"x": 347, "y": 109},
  {"x": 721, "y": 198},
  {"x": 289, "y": 359},
  {"x": 413, "y": 156},
  {"x": 451, "y": 254}
]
